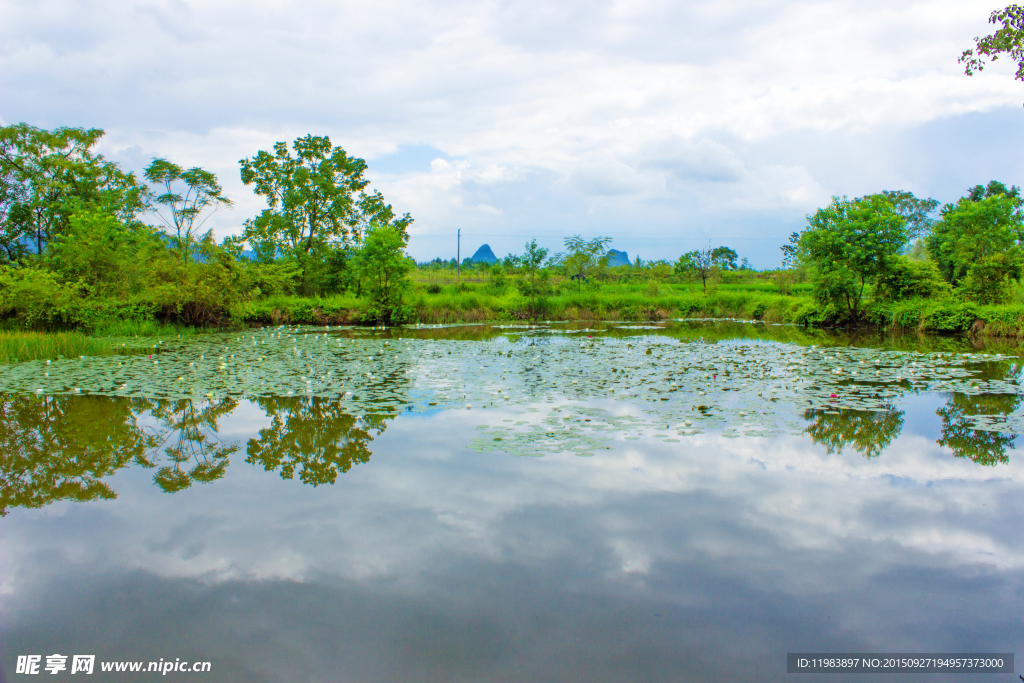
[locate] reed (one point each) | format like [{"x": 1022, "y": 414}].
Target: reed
[{"x": 23, "y": 346}]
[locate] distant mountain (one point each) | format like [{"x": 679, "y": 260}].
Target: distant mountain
[
  {"x": 617, "y": 258},
  {"x": 484, "y": 254}
]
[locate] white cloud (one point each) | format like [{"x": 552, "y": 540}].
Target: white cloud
[{"x": 642, "y": 102}]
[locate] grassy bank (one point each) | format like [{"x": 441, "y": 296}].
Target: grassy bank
[
  {"x": 478, "y": 302},
  {"x": 21, "y": 346},
  {"x": 482, "y": 302}
]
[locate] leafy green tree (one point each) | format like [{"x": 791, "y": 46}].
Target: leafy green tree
[
  {"x": 700, "y": 263},
  {"x": 977, "y": 244},
  {"x": 584, "y": 258},
  {"x": 724, "y": 257},
  {"x": 660, "y": 270},
  {"x": 202, "y": 192},
  {"x": 907, "y": 277},
  {"x": 12, "y": 199},
  {"x": 916, "y": 212},
  {"x": 1008, "y": 40},
  {"x": 109, "y": 257},
  {"x": 318, "y": 202},
  {"x": 384, "y": 269},
  {"x": 791, "y": 251},
  {"x": 531, "y": 262},
  {"x": 849, "y": 244},
  {"x": 959, "y": 433},
  {"x": 49, "y": 175}
]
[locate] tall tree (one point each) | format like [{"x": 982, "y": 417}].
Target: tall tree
[
  {"x": 724, "y": 257},
  {"x": 917, "y": 212},
  {"x": 318, "y": 201},
  {"x": 314, "y": 438},
  {"x": 531, "y": 261},
  {"x": 49, "y": 175},
  {"x": 384, "y": 269},
  {"x": 700, "y": 262},
  {"x": 202, "y": 192},
  {"x": 849, "y": 244},
  {"x": 584, "y": 257},
  {"x": 1007, "y": 40},
  {"x": 977, "y": 244}
]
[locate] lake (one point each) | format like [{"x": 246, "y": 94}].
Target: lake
[{"x": 687, "y": 501}]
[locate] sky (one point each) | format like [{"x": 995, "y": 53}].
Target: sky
[{"x": 663, "y": 125}]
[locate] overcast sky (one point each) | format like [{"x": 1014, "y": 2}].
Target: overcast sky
[{"x": 660, "y": 124}]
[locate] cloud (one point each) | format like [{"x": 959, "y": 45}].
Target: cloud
[
  {"x": 704, "y": 160},
  {"x": 642, "y": 104}
]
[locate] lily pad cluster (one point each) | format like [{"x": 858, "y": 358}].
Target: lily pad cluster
[{"x": 579, "y": 382}]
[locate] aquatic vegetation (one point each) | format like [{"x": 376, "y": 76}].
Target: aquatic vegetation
[
  {"x": 23, "y": 346},
  {"x": 680, "y": 386}
]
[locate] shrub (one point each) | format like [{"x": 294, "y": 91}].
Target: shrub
[
  {"x": 908, "y": 278},
  {"x": 35, "y": 297}
]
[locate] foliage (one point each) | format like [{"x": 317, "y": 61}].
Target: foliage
[
  {"x": 47, "y": 176},
  {"x": 202, "y": 192},
  {"x": 584, "y": 258},
  {"x": 317, "y": 201},
  {"x": 103, "y": 254},
  {"x": 976, "y": 245},
  {"x": 958, "y": 432},
  {"x": 700, "y": 262},
  {"x": 869, "y": 433},
  {"x": 849, "y": 244},
  {"x": 906, "y": 278},
  {"x": 791, "y": 251},
  {"x": 530, "y": 262},
  {"x": 273, "y": 279},
  {"x": 916, "y": 212},
  {"x": 724, "y": 258},
  {"x": 1008, "y": 40},
  {"x": 36, "y": 297},
  {"x": 383, "y": 267},
  {"x": 204, "y": 292},
  {"x": 188, "y": 436}
]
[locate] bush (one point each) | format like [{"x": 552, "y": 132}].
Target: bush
[
  {"x": 36, "y": 297},
  {"x": 950, "y": 318},
  {"x": 908, "y": 278}
]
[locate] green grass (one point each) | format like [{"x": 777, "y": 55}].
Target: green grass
[
  {"x": 23, "y": 346},
  {"x": 469, "y": 302},
  {"x": 141, "y": 328}
]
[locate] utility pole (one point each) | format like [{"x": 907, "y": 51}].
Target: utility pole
[{"x": 458, "y": 256}]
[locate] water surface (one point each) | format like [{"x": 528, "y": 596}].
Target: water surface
[{"x": 612, "y": 502}]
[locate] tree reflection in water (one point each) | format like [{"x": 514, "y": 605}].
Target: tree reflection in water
[
  {"x": 313, "y": 436},
  {"x": 868, "y": 432},
  {"x": 190, "y": 441},
  {"x": 958, "y": 433},
  {"x": 61, "y": 447}
]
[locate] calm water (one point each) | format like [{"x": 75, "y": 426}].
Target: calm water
[{"x": 496, "y": 504}]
